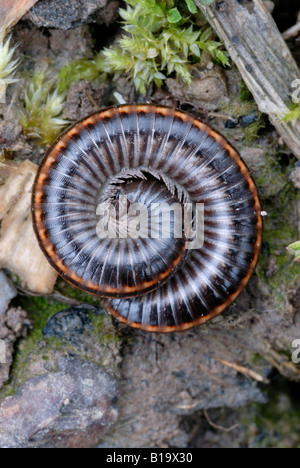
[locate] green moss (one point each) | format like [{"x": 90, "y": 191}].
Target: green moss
[
  {"x": 6, "y": 391},
  {"x": 242, "y": 105},
  {"x": 237, "y": 107},
  {"x": 74, "y": 293},
  {"x": 103, "y": 330},
  {"x": 160, "y": 39},
  {"x": 8, "y": 66},
  {"x": 257, "y": 361},
  {"x": 278, "y": 422},
  {"x": 293, "y": 114},
  {"x": 269, "y": 178},
  {"x": 100, "y": 343},
  {"x": 81, "y": 69},
  {"x": 42, "y": 118},
  {"x": 252, "y": 131},
  {"x": 245, "y": 93},
  {"x": 39, "y": 310},
  {"x": 279, "y": 232}
]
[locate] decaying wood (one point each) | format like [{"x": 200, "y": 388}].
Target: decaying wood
[
  {"x": 262, "y": 57},
  {"x": 11, "y": 11}
]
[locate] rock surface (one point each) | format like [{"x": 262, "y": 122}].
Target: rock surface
[
  {"x": 70, "y": 408},
  {"x": 7, "y": 292},
  {"x": 13, "y": 325},
  {"x": 69, "y": 325},
  {"x": 82, "y": 331},
  {"x": 67, "y": 14}
]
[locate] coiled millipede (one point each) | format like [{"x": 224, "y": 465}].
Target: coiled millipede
[{"x": 151, "y": 155}]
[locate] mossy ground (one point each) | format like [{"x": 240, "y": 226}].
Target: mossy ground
[
  {"x": 280, "y": 229},
  {"x": 279, "y": 198},
  {"x": 37, "y": 348},
  {"x": 275, "y": 425},
  {"x": 76, "y": 294}
]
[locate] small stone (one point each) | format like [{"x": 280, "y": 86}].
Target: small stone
[
  {"x": 7, "y": 292},
  {"x": 231, "y": 123},
  {"x": 70, "y": 408},
  {"x": 250, "y": 118},
  {"x": 68, "y": 324},
  {"x": 68, "y": 14}
]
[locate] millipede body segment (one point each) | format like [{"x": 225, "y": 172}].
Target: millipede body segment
[{"x": 148, "y": 156}]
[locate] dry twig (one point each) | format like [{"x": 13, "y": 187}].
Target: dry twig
[
  {"x": 292, "y": 32},
  {"x": 243, "y": 370},
  {"x": 216, "y": 426},
  {"x": 262, "y": 57}
]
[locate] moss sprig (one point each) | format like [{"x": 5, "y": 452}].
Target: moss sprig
[
  {"x": 295, "y": 249},
  {"x": 293, "y": 114},
  {"x": 43, "y": 104},
  {"x": 160, "y": 38},
  {"x": 8, "y": 65},
  {"x": 81, "y": 69}
]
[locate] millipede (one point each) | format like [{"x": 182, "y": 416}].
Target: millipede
[{"x": 151, "y": 155}]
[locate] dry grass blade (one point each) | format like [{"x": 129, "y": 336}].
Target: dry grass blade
[
  {"x": 245, "y": 371},
  {"x": 11, "y": 11}
]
